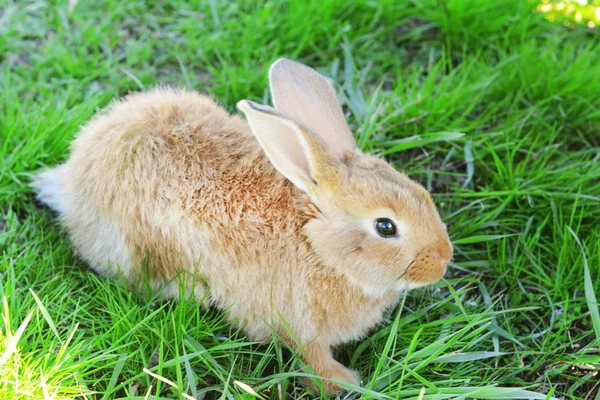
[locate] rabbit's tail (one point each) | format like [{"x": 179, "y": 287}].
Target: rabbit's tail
[{"x": 49, "y": 187}]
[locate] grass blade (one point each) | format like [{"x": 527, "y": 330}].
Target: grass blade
[
  {"x": 590, "y": 296},
  {"x": 470, "y": 356},
  {"x": 115, "y": 376},
  {"x": 482, "y": 238},
  {"x": 424, "y": 140},
  {"x": 45, "y": 313}
]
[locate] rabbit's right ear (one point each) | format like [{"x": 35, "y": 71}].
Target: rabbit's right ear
[
  {"x": 294, "y": 150},
  {"x": 305, "y": 95}
]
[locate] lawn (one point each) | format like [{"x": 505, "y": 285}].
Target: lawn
[{"x": 491, "y": 106}]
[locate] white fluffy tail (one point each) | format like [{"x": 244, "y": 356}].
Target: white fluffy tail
[{"x": 49, "y": 186}]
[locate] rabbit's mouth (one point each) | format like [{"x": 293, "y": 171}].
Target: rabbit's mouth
[{"x": 407, "y": 269}]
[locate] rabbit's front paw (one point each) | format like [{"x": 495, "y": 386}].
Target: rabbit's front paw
[
  {"x": 337, "y": 372},
  {"x": 319, "y": 356}
]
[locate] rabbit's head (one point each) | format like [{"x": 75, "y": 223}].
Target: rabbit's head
[{"x": 373, "y": 224}]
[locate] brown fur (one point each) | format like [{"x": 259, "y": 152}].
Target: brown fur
[{"x": 168, "y": 179}]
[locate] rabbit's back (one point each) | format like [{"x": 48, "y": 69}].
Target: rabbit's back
[{"x": 169, "y": 179}]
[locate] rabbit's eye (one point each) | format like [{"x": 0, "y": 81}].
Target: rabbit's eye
[{"x": 385, "y": 227}]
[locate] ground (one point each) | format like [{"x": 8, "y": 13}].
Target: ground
[{"x": 490, "y": 105}]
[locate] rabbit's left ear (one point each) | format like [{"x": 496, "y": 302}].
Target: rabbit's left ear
[
  {"x": 295, "y": 151},
  {"x": 306, "y": 96}
]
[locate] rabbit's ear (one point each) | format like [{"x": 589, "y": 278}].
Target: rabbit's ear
[
  {"x": 293, "y": 149},
  {"x": 305, "y": 95}
]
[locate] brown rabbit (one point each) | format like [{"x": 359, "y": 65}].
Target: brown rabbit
[{"x": 282, "y": 217}]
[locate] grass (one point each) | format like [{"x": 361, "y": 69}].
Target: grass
[{"x": 491, "y": 106}]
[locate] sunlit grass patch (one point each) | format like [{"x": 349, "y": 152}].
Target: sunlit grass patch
[
  {"x": 572, "y": 12},
  {"x": 55, "y": 370}
]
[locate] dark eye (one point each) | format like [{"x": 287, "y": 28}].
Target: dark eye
[{"x": 385, "y": 227}]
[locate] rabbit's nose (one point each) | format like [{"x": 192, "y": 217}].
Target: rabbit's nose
[
  {"x": 444, "y": 250},
  {"x": 430, "y": 264}
]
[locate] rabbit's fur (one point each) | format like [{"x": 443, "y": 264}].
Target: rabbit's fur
[{"x": 276, "y": 215}]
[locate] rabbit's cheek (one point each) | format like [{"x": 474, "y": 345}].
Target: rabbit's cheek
[
  {"x": 347, "y": 250},
  {"x": 371, "y": 278}
]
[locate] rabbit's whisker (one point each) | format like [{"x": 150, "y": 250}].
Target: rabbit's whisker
[{"x": 412, "y": 263}]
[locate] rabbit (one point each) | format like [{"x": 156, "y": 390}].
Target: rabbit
[{"x": 280, "y": 219}]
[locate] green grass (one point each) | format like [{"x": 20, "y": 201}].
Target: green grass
[{"x": 492, "y": 107}]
